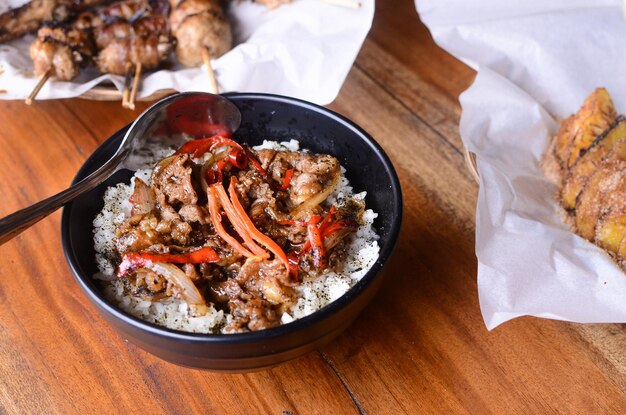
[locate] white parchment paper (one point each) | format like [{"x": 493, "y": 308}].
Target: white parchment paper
[
  {"x": 537, "y": 61},
  {"x": 303, "y": 49}
]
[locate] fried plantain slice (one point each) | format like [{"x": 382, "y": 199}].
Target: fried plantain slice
[
  {"x": 589, "y": 162},
  {"x": 621, "y": 252},
  {"x": 610, "y": 232},
  {"x": 611, "y": 226},
  {"x": 563, "y": 139},
  {"x": 608, "y": 178},
  {"x": 578, "y": 132}
]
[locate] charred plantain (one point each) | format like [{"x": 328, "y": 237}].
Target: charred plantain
[
  {"x": 580, "y": 130},
  {"x": 587, "y": 164},
  {"x": 610, "y": 232},
  {"x": 603, "y": 187}
]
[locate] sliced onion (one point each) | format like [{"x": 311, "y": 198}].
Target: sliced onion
[
  {"x": 176, "y": 276},
  {"x": 163, "y": 164},
  {"x": 276, "y": 215},
  {"x": 331, "y": 240},
  {"x": 214, "y": 158},
  {"x": 314, "y": 200},
  {"x": 206, "y": 166}
]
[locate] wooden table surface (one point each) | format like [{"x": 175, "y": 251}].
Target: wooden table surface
[{"x": 420, "y": 347}]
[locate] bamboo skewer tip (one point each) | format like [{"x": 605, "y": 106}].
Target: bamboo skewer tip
[
  {"x": 206, "y": 59},
  {"x": 130, "y": 94},
  {"x": 42, "y": 81},
  {"x": 133, "y": 91},
  {"x": 470, "y": 163},
  {"x": 127, "y": 85}
]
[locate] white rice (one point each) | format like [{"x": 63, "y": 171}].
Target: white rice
[{"x": 362, "y": 252}]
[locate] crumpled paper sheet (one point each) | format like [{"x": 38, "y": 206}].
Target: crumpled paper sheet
[
  {"x": 537, "y": 61},
  {"x": 303, "y": 49}
]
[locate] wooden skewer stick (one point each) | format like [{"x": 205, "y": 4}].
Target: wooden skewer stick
[
  {"x": 354, "y": 4},
  {"x": 133, "y": 91},
  {"x": 126, "y": 92},
  {"x": 206, "y": 58},
  {"x": 38, "y": 87}
]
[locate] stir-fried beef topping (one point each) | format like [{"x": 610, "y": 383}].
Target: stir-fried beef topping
[{"x": 223, "y": 224}]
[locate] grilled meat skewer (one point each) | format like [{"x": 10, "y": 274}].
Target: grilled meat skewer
[
  {"x": 199, "y": 25},
  {"x": 147, "y": 50},
  {"x": 29, "y": 17},
  {"x": 132, "y": 33},
  {"x": 106, "y": 38},
  {"x": 61, "y": 51}
]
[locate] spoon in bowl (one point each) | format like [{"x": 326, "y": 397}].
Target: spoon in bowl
[{"x": 190, "y": 115}]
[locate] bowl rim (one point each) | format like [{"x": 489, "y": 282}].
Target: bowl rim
[{"x": 283, "y": 329}]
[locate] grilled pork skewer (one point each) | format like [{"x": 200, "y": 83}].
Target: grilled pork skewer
[
  {"x": 107, "y": 38},
  {"x": 136, "y": 33},
  {"x": 61, "y": 51},
  {"x": 129, "y": 33},
  {"x": 145, "y": 43},
  {"x": 199, "y": 25},
  {"x": 31, "y": 16},
  {"x": 125, "y": 43}
]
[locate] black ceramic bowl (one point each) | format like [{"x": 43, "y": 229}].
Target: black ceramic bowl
[{"x": 263, "y": 117}]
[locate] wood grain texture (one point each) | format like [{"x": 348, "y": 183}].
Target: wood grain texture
[{"x": 421, "y": 347}]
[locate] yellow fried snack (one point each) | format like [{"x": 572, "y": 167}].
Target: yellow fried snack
[
  {"x": 610, "y": 232},
  {"x": 611, "y": 226},
  {"x": 580, "y": 130},
  {"x": 563, "y": 140},
  {"x": 587, "y": 164},
  {"x": 621, "y": 252},
  {"x": 593, "y": 198}
]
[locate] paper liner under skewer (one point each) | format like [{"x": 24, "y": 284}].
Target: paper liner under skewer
[
  {"x": 353, "y": 4},
  {"x": 42, "y": 81},
  {"x": 206, "y": 59}
]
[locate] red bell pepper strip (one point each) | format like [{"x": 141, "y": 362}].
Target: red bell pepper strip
[
  {"x": 257, "y": 165},
  {"x": 134, "y": 260},
  {"x": 317, "y": 230},
  {"x": 258, "y": 236},
  {"x": 342, "y": 224},
  {"x": 326, "y": 227},
  {"x": 330, "y": 216},
  {"x": 216, "y": 220},
  {"x": 287, "y": 180},
  {"x": 291, "y": 222},
  {"x": 201, "y": 145},
  {"x": 294, "y": 264},
  {"x": 216, "y": 175},
  {"x": 238, "y": 158},
  {"x": 318, "y": 252},
  {"x": 240, "y": 223}
]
